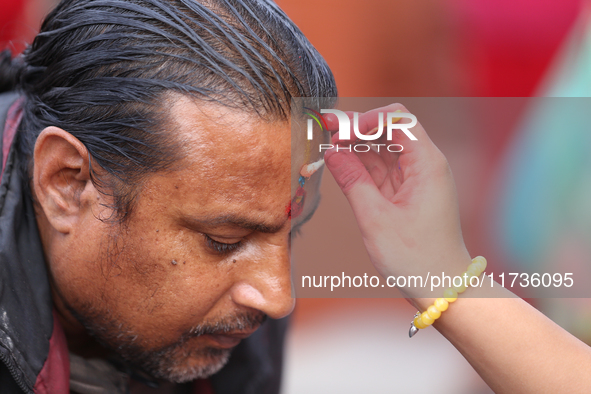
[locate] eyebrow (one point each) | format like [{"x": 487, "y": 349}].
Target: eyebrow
[
  {"x": 232, "y": 220},
  {"x": 242, "y": 222}
]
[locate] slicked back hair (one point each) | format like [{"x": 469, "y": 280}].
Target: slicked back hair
[{"x": 102, "y": 69}]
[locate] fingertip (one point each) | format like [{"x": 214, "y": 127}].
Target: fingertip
[
  {"x": 335, "y": 159},
  {"x": 332, "y": 122},
  {"x": 347, "y": 170}
]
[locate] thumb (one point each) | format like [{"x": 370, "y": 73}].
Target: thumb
[{"x": 356, "y": 183}]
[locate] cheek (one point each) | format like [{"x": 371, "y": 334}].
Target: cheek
[
  {"x": 152, "y": 279},
  {"x": 79, "y": 274},
  {"x": 166, "y": 284}
]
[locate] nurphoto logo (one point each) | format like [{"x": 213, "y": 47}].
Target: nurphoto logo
[{"x": 392, "y": 123}]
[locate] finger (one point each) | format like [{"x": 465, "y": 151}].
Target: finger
[
  {"x": 375, "y": 165},
  {"x": 370, "y": 120},
  {"x": 337, "y": 139},
  {"x": 417, "y": 156},
  {"x": 357, "y": 185},
  {"x": 374, "y": 155},
  {"x": 332, "y": 122},
  {"x": 379, "y": 146}
]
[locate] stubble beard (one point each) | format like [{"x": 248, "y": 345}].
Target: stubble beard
[{"x": 176, "y": 362}]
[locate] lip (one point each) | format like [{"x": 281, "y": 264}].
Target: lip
[{"x": 229, "y": 340}]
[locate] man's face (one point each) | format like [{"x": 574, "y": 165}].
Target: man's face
[{"x": 204, "y": 257}]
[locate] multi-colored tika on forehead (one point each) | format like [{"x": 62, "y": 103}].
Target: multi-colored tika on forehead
[{"x": 296, "y": 205}]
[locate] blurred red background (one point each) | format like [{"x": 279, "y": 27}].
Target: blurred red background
[{"x": 434, "y": 48}]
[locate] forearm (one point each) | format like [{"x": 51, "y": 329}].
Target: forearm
[
  {"x": 514, "y": 347},
  {"x": 406, "y": 208}
]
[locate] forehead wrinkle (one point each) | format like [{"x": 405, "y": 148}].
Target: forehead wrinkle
[
  {"x": 215, "y": 137},
  {"x": 232, "y": 153},
  {"x": 237, "y": 158},
  {"x": 242, "y": 174},
  {"x": 206, "y": 123}
]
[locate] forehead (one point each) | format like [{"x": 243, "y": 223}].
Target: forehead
[{"x": 230, "y": 159}]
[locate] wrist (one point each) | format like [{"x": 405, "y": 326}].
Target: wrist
[{"x": 430, "y": 308}]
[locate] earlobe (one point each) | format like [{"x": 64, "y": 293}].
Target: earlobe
[{"x": 61, "y": 178}]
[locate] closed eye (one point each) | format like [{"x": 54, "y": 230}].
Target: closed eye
[{"x": 220, "y": 247}]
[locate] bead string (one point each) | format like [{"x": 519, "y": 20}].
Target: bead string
[{"x": 433, "y": 312}]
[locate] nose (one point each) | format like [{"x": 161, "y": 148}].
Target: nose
[{"x": 265, "y": 282}]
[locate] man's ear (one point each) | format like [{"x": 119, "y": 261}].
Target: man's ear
[{"x": 61, "y": 178}]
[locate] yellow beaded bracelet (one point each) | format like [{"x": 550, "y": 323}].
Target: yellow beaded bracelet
[{"x": 433, "y": 312}]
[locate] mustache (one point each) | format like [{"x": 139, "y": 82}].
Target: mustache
[{"x": 245, "y": 321}]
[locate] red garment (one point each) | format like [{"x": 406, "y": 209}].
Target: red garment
[{"x": 54, "y": 377}]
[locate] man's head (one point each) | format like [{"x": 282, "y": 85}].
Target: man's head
[{"x": 157, "y": 136}]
